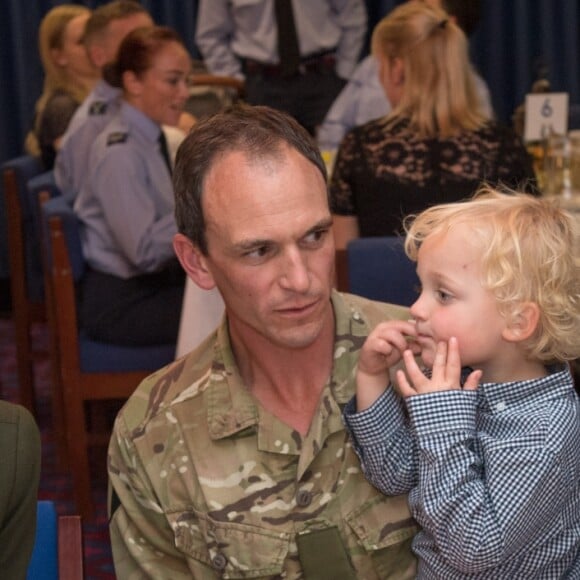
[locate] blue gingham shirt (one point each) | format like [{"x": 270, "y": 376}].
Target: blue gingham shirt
[{"x": 493, "y": 475}]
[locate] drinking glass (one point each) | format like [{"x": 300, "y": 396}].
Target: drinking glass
[{"x": 557, "y": 166}]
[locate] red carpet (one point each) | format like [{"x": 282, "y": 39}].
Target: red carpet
[{"x": 55, "y": 484}]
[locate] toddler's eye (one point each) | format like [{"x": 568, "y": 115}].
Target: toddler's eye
[{"x": 444, "y": 296}]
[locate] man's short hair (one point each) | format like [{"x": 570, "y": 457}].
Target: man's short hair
[
  {"x": 258, "y": 132},
  {"x": 104, "y": 15}
]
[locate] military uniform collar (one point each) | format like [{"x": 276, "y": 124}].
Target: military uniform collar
[
  {"x": 105, "y": 92},
  {"x": 231, "y": 408},
  {"x": 140, "y": 122}
]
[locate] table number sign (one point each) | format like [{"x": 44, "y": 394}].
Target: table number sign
[{"x": 546, "y": 113}]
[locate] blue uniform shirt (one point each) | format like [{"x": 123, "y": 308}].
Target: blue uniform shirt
[
  {"x": 127, "y": 203},
  {"x": 72, "y": 161}
]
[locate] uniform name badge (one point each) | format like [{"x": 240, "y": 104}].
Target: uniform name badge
[{"x": 323, "y": 555}]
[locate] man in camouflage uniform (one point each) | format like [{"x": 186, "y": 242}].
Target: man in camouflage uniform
[{"x": 233, "y": 462}]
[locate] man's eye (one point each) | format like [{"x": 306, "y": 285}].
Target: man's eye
[
  {"x": 257, "y": 252},
  {"x": 315, "y": 237}
]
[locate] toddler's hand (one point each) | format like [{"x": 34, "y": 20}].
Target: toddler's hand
[
  {"x": 382, "y": 349},
  {"x": 445, "y": 375}
]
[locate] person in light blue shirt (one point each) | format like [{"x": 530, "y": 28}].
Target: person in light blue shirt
[
  {"x": 363, "y": 98},
  {"x": 487, "y": 440},
  {"x": 133, "y": 290},
  {"x": 104, "y": 31}
]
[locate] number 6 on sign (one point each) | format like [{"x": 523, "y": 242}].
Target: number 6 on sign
[{"x": 546, "y": 113}]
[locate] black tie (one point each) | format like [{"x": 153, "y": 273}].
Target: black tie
[
  {"x": 165, "y": 151},
  {"x": 288, "y": 50}
]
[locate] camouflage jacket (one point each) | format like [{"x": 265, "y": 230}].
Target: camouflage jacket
[{"x": 206, "y": 484}]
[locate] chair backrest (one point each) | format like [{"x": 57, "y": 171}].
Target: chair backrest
[
  {"x": 64, "y": 266},
  {"x": 59, "y": 208},
  {"x": 58, "y": 549},
  {"x": 43, "y": 182},
  {"x": 21, "y": 236},
  {"x": 379, "y": 269}
]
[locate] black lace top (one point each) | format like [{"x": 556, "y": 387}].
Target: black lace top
[{"x": 383, "y": 171}]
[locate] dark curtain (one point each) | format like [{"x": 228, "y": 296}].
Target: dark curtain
[{"x": 515, "y": 39}]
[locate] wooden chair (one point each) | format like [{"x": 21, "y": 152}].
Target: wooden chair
[
  {"x": 26, "y": 286},
  {"x": 58, "y": 546},
  {"x": 70, "y": 548},
  {"x": 379, "y": 269},
  {"x": 89, "y": 370}
]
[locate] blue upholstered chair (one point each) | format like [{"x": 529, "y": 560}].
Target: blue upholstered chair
[
  {"x": 26, "y": 278},
  {"x": 44, "y": 561},
  {"x": 89, "y": 370},
  {"x": 57, "y": 553},
  {"x": 379, "y": 269}
]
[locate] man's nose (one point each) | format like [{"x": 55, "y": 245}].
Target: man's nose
[{"x": 295, "y": 275}]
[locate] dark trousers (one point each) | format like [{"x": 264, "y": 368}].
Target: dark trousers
[
  {"x": 139, "y": 311},
  {"x": 307, "y": 97}
]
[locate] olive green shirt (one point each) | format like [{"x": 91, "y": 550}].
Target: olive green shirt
[
  {"x": 211, "y": 485},
  {"x": 19, "y": 477}
]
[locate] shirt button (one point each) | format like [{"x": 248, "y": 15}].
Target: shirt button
[
  {"x": 219, "y": 562},
  {"x": 303, "y": 498},
  {"x": 500, "y": 406}
]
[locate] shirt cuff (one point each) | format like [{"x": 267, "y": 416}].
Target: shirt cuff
[
  {"x": 442, "y": 412},
  {"x": 374, "y": 424}
]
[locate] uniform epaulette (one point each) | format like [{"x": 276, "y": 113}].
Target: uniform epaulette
[
  {"x": 117, "y": 137},
  {"x": 98, "y": 108}
]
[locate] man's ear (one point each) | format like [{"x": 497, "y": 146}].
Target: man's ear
[
  {"x": 522, "y": 322},
  {"x": 97, "y": 55},
  {"x": 193, "y": 262}
]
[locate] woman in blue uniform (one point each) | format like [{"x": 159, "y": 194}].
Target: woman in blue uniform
[{"x": 133, "y": 290}]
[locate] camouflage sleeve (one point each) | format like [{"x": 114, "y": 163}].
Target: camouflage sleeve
[{"x": 142, "y": 540}]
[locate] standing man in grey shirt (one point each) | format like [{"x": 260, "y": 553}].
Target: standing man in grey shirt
[{"x": 240, "y": 38}]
